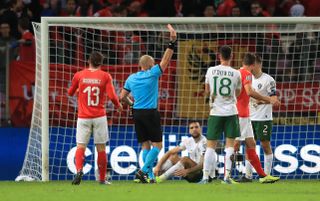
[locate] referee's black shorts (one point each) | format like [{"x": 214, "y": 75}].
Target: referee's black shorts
[{"x": 147, "y": 125}]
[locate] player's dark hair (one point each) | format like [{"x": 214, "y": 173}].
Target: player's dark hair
[
  {"x": 249, "y": 59},
  {"x": 194, "y": 122},
  {"x": 96, "y": 59},
  {"x": 258, "y": 59},
  {"x": 225, "y": 52}
]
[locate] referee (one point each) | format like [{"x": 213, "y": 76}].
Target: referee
[{"x": 143, "y": 87}]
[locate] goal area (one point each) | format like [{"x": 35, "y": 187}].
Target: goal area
[{"x": 289, "y": 48}]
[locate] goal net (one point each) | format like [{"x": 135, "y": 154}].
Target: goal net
[{"x": 289, "y": 48}]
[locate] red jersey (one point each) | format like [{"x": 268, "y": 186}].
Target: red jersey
[
  {"x": 94, "y": 86},
  {"x": 225, "y": 8},
  {"x": 243, "y": 98}
]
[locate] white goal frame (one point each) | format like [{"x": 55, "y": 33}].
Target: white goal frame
[{"x": 47, "y": 21}]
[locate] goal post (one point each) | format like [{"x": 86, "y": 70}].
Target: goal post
[
  {"x": 45, "y": 98},
  {"x": 63, "y": 44}
]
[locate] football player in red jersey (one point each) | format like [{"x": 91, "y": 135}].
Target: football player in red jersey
[{"x": 93, "y": 86}]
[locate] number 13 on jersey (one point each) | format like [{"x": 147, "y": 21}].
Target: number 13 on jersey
[{"x": 93, "y": 95}]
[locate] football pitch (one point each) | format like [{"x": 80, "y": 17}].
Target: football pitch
[{"x": 291, "y": 190}]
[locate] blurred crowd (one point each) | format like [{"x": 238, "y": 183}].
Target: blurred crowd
[{"x": 34, "y": 9}]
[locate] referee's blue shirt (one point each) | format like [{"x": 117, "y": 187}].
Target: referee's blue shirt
[{"x": 143, "y": 86}]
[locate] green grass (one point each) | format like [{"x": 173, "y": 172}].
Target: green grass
[{"x": 293, "y": 190}]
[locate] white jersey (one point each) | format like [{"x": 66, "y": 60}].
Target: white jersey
[
  {"x": 223, "y": 82},
  {"x": 265, "y": 85},
  {"x": 195, "y": 149}
]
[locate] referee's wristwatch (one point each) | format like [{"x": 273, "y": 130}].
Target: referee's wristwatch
[
  {"x": 131, "y": 110},
  {"x": 172, "y": 44}
]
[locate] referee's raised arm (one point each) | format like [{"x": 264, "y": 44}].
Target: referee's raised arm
[{"x": 169, "y": 51}]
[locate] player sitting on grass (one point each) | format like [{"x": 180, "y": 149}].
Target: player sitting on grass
[{"x": 188, "y": 167}]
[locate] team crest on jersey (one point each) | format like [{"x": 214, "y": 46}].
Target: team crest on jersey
[
  {"x": 259, "y": 86},
  {"x": 272, "y": 84}
]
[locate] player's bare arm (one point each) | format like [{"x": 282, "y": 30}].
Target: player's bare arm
[
  {"x": 74, "y": 85},
  {"x": 260, "y": 102},
  {"x": 182, "y": 172},
  {"x": 275, "y": 101},
  {"x": 238, "y": 88},
  {"x": 238, "y": 92},
  {"x": 72, "y": 91},
  {"x": 169, "y": 51},
  {"x": 185, "y": 172},
  {"x": 165, "y": 157},
  {"x": 252, "y": 93},
  {"x": 207, "y": 92},
  {"x": 124, "y": 97},
  {"x": 111, "y": 93}
]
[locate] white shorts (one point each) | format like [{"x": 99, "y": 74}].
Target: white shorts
[
  {"x": 245, "y": 129},
  {"x": 97, "y": 126}
]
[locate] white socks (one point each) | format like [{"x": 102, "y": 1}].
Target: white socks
[
  {"x": 166, "y": 165},
  {"x": 209, "y": 163},
  {"x": 267, "y": 166},
  {"x": 212, "y": 173},
  {"x": 248, "y": 168},
  {"x": 228, "y": 163},
  {"x": 171, "y": 171},
  {"x": 268, "y": 163}
]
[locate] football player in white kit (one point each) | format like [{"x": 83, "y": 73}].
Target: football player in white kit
[
  {"x": 223, "y": 85},
  {"x": 261, "y": 117},
  {"x": 188, "y": 167}
]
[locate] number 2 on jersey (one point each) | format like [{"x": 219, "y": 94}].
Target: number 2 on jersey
[
  {"x": 95, "y": 92},
  {"x": 224, "y": 88}
]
